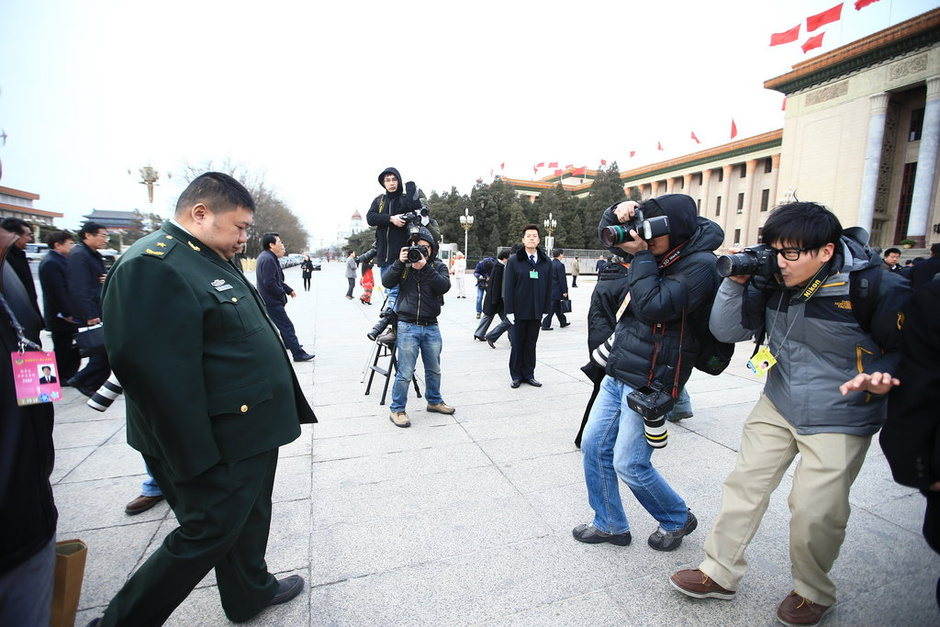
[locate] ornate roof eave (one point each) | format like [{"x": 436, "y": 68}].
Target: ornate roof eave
[{"x": 917, "y": 32}]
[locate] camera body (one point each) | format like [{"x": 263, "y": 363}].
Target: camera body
[
  {"x": 647, "y": 229},
  {"x": 651, "y": 401},
  {"x": 757, "y": 260},
  {"x": 417, "y": 252}
]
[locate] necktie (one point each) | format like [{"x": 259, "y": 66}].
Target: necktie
[{"x": 532, "y": 259}]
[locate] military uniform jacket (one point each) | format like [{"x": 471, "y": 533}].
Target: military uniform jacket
[{"x": 205, "y": 374}]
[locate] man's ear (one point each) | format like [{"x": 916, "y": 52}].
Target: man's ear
[{"x": 825, "y": 254}]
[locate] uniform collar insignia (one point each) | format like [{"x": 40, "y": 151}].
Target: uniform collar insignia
[
  {"x": 161, "y": 244},
  {"x": 193, "y": 246},
  {"x": 218, "y": 282}
]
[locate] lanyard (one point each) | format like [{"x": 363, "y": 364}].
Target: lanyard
[{"x": 24, "y": 342}]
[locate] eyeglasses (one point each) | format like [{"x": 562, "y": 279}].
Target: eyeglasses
[
  {"x": 103, "y": 234},
  {"x": 789, "y": 253}
]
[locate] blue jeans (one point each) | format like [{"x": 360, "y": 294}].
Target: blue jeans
[
  {"x": 390, "y": 293},
  {"x": 683, "y": 404},
  {"x": 480, "y": 292},
  {"x": 149, "y": 486},
  {"x": 411, "y": 339},
  {"x": 614, "y": 446}
]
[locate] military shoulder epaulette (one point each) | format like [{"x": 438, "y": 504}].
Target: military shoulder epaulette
[{"x": 161, "y": 247}]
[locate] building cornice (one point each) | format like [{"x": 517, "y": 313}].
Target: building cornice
[
  {"x": 18, "y": 193},
  {"x": 917, "y": 32},
  {"x": 30, "y": 210}
]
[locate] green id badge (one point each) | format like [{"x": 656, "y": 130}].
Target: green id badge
[{"x": 533, "y": 274}]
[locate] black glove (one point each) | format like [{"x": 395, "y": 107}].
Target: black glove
[{"x": 412, "y": 200}]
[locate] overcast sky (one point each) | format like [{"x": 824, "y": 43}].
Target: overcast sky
[{"x": 320, "y": 97}]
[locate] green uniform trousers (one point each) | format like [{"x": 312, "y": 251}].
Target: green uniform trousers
[
  {"x": 224, "y": 516},
  {"x": 819, "y": 500}
]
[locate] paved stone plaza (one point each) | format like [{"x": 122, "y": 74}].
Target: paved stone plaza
[{"x": 467, "y": 519}]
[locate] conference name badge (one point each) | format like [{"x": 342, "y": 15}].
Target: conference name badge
[
  {"x": 761, "y": 362},
  {"x": 533, "y": 274},
  {"x": 35, "y": 377}
]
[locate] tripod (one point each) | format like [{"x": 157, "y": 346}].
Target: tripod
[{"x": 380, "y": 351}]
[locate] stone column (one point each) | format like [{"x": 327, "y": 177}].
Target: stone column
[
  {"x": 706, "y": 183},
  {"x": 926, "y": 166},
  {"x": 671, "y": 185},
  {"x": 726, "y": 211},
  {"x": 774, "y": 179},
  {"x": 654, "y": 189},
  {"x": 751, "y": 167},
  {"x": 873, "y": 149},
  {"x": 686, "y": 183}
]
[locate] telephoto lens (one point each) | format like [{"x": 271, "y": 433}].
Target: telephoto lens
[
  {"x": 655, "y": 431},
  {"x": 102, "y": 399}
]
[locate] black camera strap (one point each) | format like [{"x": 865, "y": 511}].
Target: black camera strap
[{"x": 660, "y": 330}]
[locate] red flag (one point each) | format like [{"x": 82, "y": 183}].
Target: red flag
[
  {"x": 786, "y": 36},
  {"x": 502, "y": 166},
  {"x": 603, "y": 161},
  {"x": 580, "y": 171},
  {"x": 813, "y": 42},
  {"x": 783, "y": 107},
  {"x": 826, "y": 17},
  {"x": 632, "y": 153},
  {"x": 535, "y": 169},
  {"x": 541, "y": 165},
  {"x": 659, "y": 145},
  {"x": 695, "y": 138},
  {"x": 570, "y": 165},
  {"x": 558, "y": 172},
  {"x": 553, "y": 164},
  {"x": 861, "y": 4},
  {"x": 734, "y": 129}
]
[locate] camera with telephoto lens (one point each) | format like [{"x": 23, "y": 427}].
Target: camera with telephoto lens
[
  {"x": 652, "y": 403},
  {"x": 104, "y": 397},
  {"x": 647, "y": 229},
  {"x": 386, "y": 317},
  {"x": 369, "y": 255},
  {"x": 417, "y": 252},
  {"x": 760, "y": 260}
]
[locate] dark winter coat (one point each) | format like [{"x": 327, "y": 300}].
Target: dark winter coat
[
  {"x": 27, "y": 508},
  {"x": 612, "y": 286},
  {"x": 524, "y": 297},
  {"x": 420, "y": 292},
  {"x": 559, "y": 280},
  {"x": 269, "y": 278},
  {"x": 389, "y": 239},
  {"x": 649, "y": 329},
  {"x": 493, "y": 299},
  {"x": 55, "y": 292},
  {"x": 84, "y": 269}
]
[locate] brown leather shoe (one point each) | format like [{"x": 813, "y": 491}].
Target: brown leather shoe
[
  {"x": 141, "y": 504},
  {"x": 796, "y": 610},
  {"x": 698, "y": 585}
]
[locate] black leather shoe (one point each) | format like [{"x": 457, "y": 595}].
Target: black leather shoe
[
  {"x": 478, "y": 338},
  {"x": 287, "y": 589},
  {"x": 303, "y": 357},
  {"x": 592, "y": 535},
  {"x": 567, "y": 324},
  {"x": 515, "y": 383},
  {"x": 491, "y": 343},
  {"x": 533, "y": 383},
  {"x": 548, "y": 328}
]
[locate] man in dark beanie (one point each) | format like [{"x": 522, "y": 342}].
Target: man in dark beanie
[{"x": 391, "y": 233}]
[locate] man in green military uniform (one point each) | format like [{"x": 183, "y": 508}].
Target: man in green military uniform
[{"x": 210, "y": 398}]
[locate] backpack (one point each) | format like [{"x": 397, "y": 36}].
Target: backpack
[{"x": 713, "y": 355}]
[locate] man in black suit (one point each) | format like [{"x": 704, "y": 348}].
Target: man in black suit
[
  {"x": 493, "y": 301},
  {"x": 85, "y": 272},
  {"x": 527, "y": 291},
  {"x": 559, "y": 292},
  {"x": 274, "y": 292},
  {"x": 16, "y": 256},
  {"x": 47, "y": 376},
  {"x": 55, "y": 302}
]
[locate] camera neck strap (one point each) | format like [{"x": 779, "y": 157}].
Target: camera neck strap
[{"x": 659, "y": 330}]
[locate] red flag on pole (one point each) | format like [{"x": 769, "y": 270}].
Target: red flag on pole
[
  {"x": 553, "y": 164},
  {"x": 579, "y": 171},
  {"x": 695, "y": 138},
  {"x": 632, "y": 153},
  {"x": 603, "y": 161},
  {"x": 783, "y": 107},
  {"x": 570, "y": 165},
  {"x": 541, "y": 165},
  {"x": 813, "y": 42},
  {"x": 558, "y": 172},
  {"x": 861, "y": 4},
  {"x": 786, "y": 36},
  {"x": 535, "y": 169},
  {"x": 502, "y": 166},
  {"x": 826, "y": 17},
  {"x": 734, "y": 129},
  {"x": 659, "y": 145}
]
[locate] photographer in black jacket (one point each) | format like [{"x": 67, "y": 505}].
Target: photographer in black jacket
[
  {"x": 391, "y": 232},
  {"x": 422, "y": 280},
  {"x": 671, "y": 277}
]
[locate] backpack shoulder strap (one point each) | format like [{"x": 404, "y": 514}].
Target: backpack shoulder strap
[{"x": 863, "y": 292}]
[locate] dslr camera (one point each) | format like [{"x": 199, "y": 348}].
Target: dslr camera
[
  {"x": 757, "y": 260},
  {"x": 652, "y": 402},
  {"x": 647, "y": 229}
]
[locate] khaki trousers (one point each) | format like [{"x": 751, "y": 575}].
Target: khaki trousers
[{"x": 819, "y": 500}]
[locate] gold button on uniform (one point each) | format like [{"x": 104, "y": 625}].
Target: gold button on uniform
[
  {"x": 244, "y": 408},
  {"x": 234, "y": 300}
]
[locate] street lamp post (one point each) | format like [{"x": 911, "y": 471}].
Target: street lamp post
[
  {"x": 466, "y": 221},
  {"x": 550, "y": 223},
  {"x": 149, "y": 177}
]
